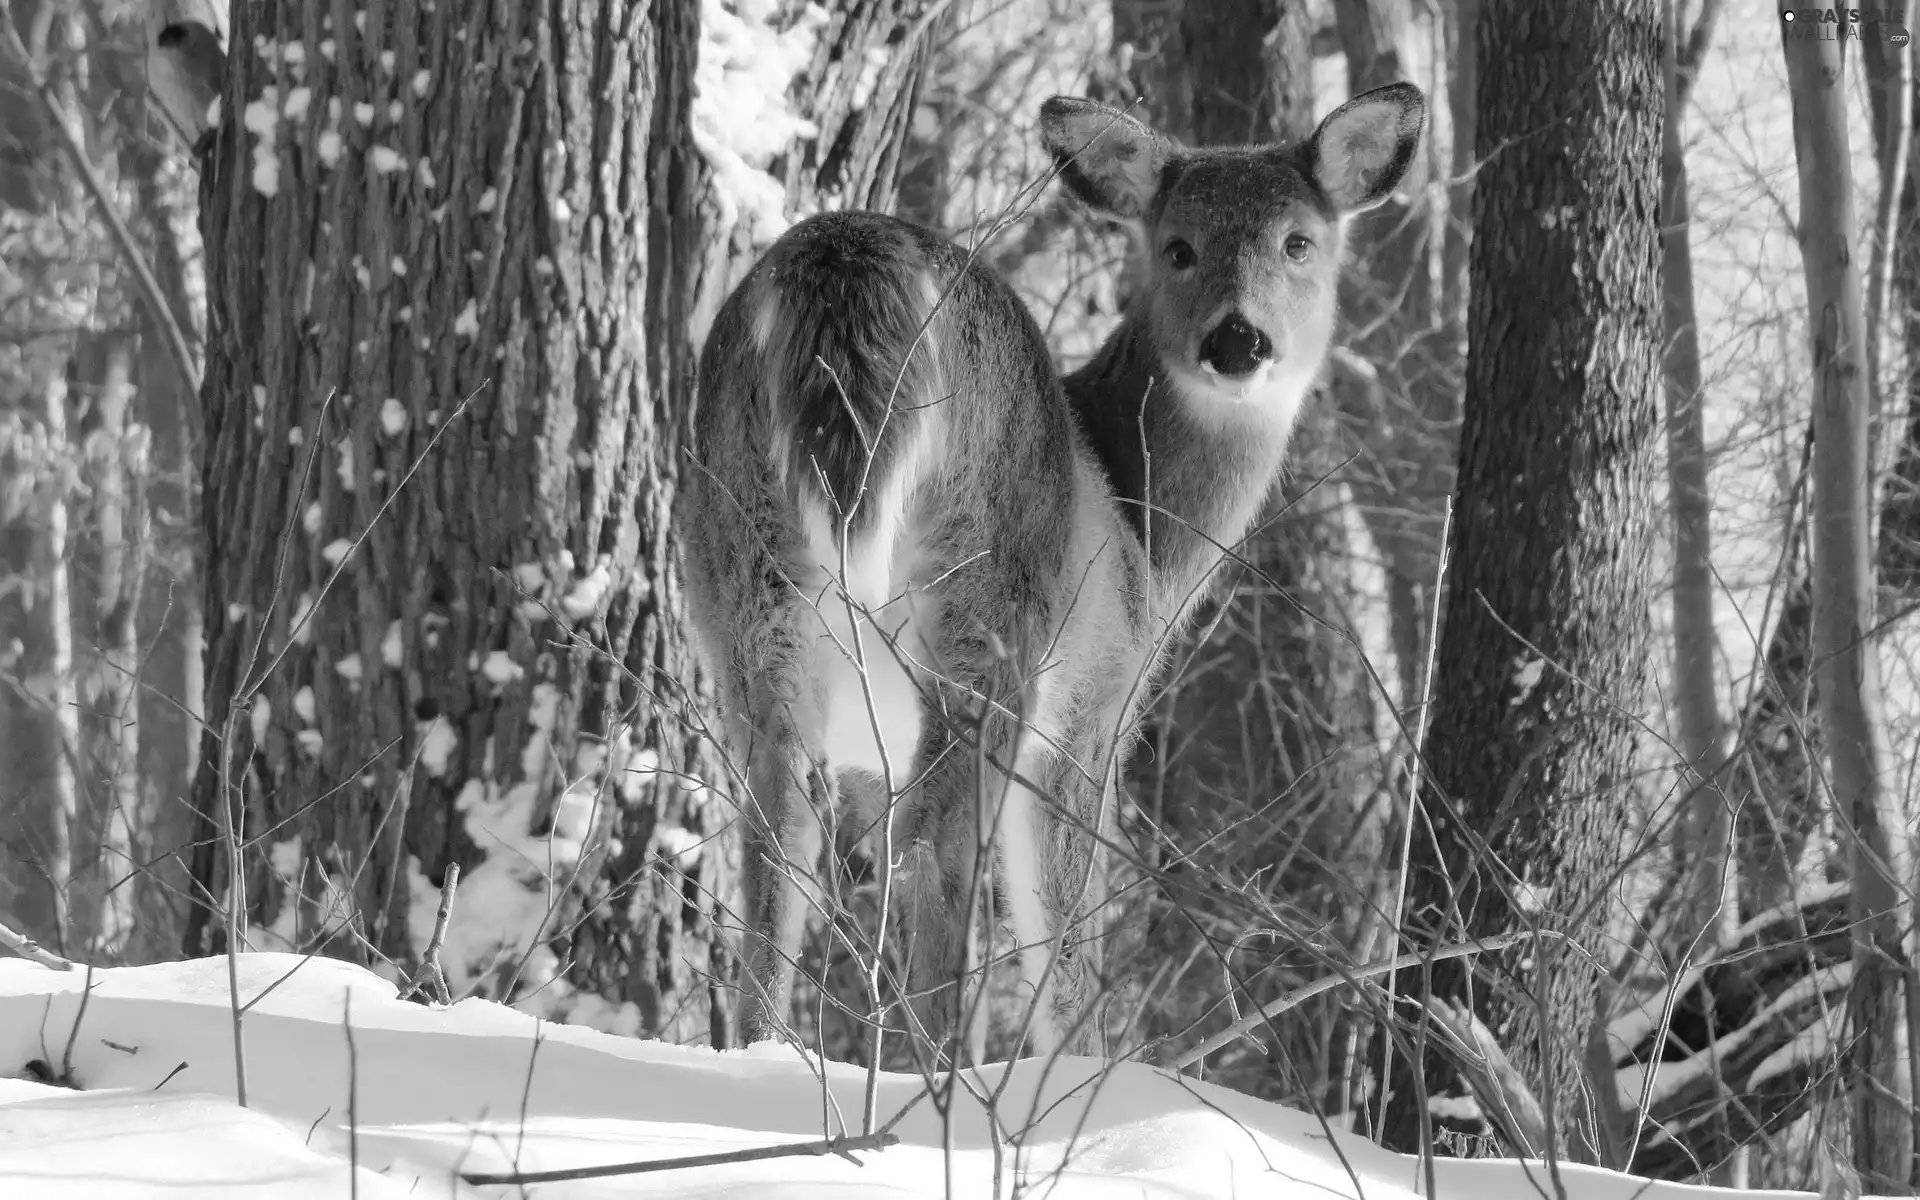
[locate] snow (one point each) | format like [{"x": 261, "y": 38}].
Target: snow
[
  {"x": 261, "y": 118},
  {"x": 353, "y": 1092},
  {"x": 1526, "y": 677},
  {"x": 393, "y": 414},
  {"x": 343, "y": 466},
  {"x": 588, "y": 591},
  {"x": 870, "y": 68},
  {"x": 500, "y": 669},
  {"x": 437, "y": 743},
  {"x": 741, "y": 116}
]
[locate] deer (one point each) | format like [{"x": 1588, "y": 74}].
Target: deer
[{"x": 931, "y": 579}]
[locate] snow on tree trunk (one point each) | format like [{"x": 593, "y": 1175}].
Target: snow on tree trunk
[
  {"x": 458, "y": 269},
  {"x": 1544, "y": 648}
]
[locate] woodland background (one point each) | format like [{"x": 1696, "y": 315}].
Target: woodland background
[{"x": 336, "y": 451}]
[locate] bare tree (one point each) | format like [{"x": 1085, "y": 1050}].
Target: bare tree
[
  {"x": 1713, "y": 908},
  {"x": 1845, "y": 667},
  {"x": 1545, "y": 636}
]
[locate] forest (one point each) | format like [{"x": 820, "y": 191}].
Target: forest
[{"x": 1538, "y": 777}]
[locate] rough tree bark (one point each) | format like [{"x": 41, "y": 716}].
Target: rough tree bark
[
  {"x": 1845, "y": 663},
  {"x": 1545, "y": 636},
  {"x": 459, "y": 266}
]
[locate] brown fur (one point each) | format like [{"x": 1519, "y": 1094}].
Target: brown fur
[{"x": 885, "y": 446}]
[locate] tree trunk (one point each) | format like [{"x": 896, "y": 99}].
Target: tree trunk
[
  {"x": 1890, "y": 103},
  {"x": 1899, "y": 535},
  {"x": 1845, "y": 661},
  {"x": 116, "y": 544},
  {"x": 1545, "y": 637},
  {"x": 456, "y": 292},
  {"x": 1711, "y": 891}
]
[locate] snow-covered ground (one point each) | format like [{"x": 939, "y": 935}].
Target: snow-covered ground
[{"x": 354, "y": 1093}]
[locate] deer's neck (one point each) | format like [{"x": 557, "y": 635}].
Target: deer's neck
[{"x": 1191, "y": 463}]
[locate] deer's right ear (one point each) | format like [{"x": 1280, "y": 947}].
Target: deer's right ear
[{"x": 1107, "y": 158}]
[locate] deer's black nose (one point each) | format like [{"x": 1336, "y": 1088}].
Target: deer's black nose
[{"x": 1234, "y": 347}]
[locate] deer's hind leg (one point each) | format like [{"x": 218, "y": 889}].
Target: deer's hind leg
[
  {"x": 759, "y": 627},
  {"x": 984, "y": 728}
]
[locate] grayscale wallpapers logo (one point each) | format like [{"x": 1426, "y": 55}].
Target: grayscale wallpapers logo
[{"x": 1839, "y": 24}]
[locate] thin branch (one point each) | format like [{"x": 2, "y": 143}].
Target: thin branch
[
  {"x": 73, "y": 1035},
  {"x": 843, "y": 1146}
]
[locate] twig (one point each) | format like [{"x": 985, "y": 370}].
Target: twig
[
  {"x": 1299, "y": 995},
  {"x": 31, "y": 950},
  {"x": 843, "y": 1146},
  {"x": 236, "y": 906},
  {"x": 353, "y": 1099},
  {"x": 1415, "y": 762},
  {"x": 73, "y": 1035},
  {"x": 430, "y": 961}
]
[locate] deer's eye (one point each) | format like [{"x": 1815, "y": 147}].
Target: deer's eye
[
  {"x": 1179, "y": 255},
  {"x": 1299, "y": 247}
]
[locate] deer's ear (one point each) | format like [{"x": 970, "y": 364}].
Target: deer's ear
[
  {"x": 1364, "y": 148},
  {"x": 1107, "y": 158}
]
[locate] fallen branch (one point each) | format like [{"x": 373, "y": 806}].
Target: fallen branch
[
  {"x": 31, "y": 950},
  {"x": 843, "y": 1146},
  {"x": 1506, "y": 1102}
]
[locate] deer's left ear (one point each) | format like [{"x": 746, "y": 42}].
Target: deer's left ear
[
  {"x": 1364, "y": 148},
  {"x": 1106, "y": 158}
]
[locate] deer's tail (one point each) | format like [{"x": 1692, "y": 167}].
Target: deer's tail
[{"x": 842, "y": 314}]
